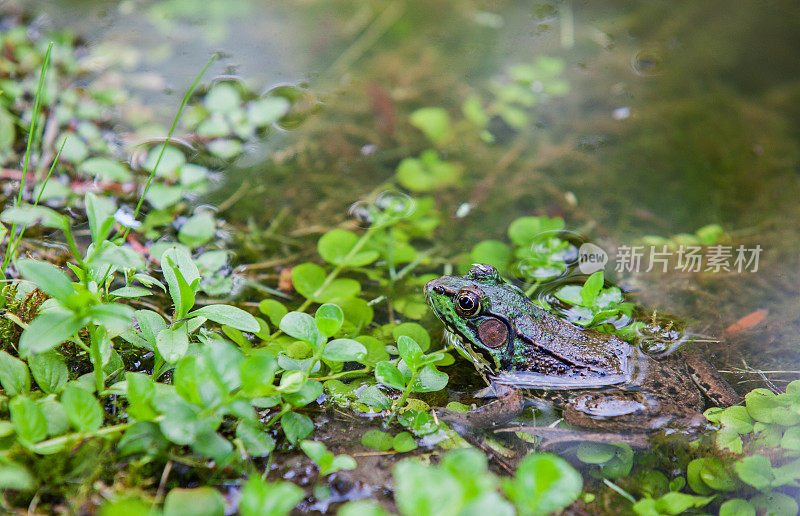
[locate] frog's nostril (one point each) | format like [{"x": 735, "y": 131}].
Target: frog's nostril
[{"x": 438, "y": 290}]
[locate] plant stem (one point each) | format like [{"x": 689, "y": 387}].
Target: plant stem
[
  {"x": 343, "y": 374},
  {"x": 332, "y": 275},
  {"x": 335, "y": 272},
  {"x": 169, "y": 137},
  {"x": 26, "y": 161},
  {"x": 36, "y": 203},
  {"x": 97, "y": 357},
  {"x": 402, "y": 401}
]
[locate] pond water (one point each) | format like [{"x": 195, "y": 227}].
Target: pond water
[{"x": 641, "y": 124}]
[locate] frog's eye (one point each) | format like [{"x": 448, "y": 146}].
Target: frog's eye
[{"x": 468, "y": 303}]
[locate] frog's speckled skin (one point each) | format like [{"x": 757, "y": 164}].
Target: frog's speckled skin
[{"x": 597, "y": 379}]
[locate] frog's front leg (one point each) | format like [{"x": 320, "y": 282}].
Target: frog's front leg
[
  {"x": 508, "y": 405},
  {"x": 708, "y": 379}
]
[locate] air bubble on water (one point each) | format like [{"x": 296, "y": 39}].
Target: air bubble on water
[
  {"x": 621, "y": 113},
  {"x": 463, "y": 210},
  {"x": 361, "y": 212},
  {"x": 369, "y": 149},
  {"x": 395, "y": 204},
  {"x": 647, "y": 62}
]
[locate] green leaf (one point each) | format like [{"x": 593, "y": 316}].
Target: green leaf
[
  {"x": 418, "y": 333},
  {"x": 131, "y": 292},
  {"x": 296, "y": 426},
  {"x": 389, "y": 375},
  {"x": 257, "y": 374},
  {"x": 141, "y": 391},
  {"x": 223, "y": 97},
  {"x": 266, "y": 111},
  {"x": 524, "y": 230},
  {"x": 302, "y": 326},
  {"x": 362, "y": 508},
  {"x": 308, "y": 280},
  {"x": 14, "y": 376},
  {"x": 260, "y": 498},
  {"x": 374, "y": 397},
  {"x": 595, "y": 453},
  {"x": 274, "y": 309},
  {"x": 162, "y": 196},
  {"x": 344, "y": 350},
  {"x": 737, "y": 418},
  {"x": 227, "y": 315},
  {"x": 113, "y": 316},
  {"x": 7, "y": 135},
  {"x": 377, "y": 440},
  {"x": 427, "y": 173},
  {"x": 105, "y": 169},
  {"x": 82, "y": 408},
  {"x": 474, "y": 112},
  {"x": 100, "y": 212},
  {"x": 50, "y": 370},
  {"x": 676, "y": 503},
  {"x": 376, "y": 350},
  {"x": 198, "y": 229},
  {"x": 591, "y": 288},
  {"x": 28, "y": 420},
  {"x": 761, "y": 404},
  {"x": 172, "y": 160},
  {"x": 694, "y": 479},
  {"x": 409, "y": 351},
  {"x": 309, "y": 391},
  {"x": 120, "y": 256},
  {"x": 737, "y": 507},
  {"x": 27, "y": 215},
  {"x": 47, "y": 331},
  {"x": 755, "y": 470},
  {"x": 211, "y": 444},
  {"x": 404, "y": 442},
  {"x": 329, "y": 319},
  {"x": 716, "y": 475},
  {"x": 73, "y": 149},
  {"x": 434, "y": 122},
  {"x": 337, "y": 247},
  {"x": 543, "y": 483},
  {"x": 150, "y": 323},
  {"x": 15, "y": 476},
  {"x": 493, "y": 252},
  {"x": 48, "y": 278},
  {"x": 182, "y": 276},
  {"x": 256, "y": 441},
  {"x": 199, "y": 501},
  {"x": 424, "y": 490},
  {"x": 172, "y": 343},
  {"x": 775, "y": 503},
  {"x": 430, "y": 380}
]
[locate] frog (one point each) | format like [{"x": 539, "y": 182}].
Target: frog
[{"x": 597, "y": 380}]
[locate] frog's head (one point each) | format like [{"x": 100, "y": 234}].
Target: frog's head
[{"x": 477, "y": 309}]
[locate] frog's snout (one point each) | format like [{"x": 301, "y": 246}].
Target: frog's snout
[{"x": 434, "y": 287}]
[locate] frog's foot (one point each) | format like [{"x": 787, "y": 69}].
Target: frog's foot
[
  {"x": 628, "y": 411},
  {"x": 494, "y": 390},
  {"x": 552, "y": 437},
  {"x": 708, "y": 380},
  {"x": 508, "y": 406}
]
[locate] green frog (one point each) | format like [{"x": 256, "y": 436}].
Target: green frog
[{"x": 599, "y": 381}]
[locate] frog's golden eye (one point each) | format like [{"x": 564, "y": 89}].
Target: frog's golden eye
[{"x": 468, "y": 303}]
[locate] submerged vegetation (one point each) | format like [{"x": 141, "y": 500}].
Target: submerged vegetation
[{"x": 162, "y": 356}]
